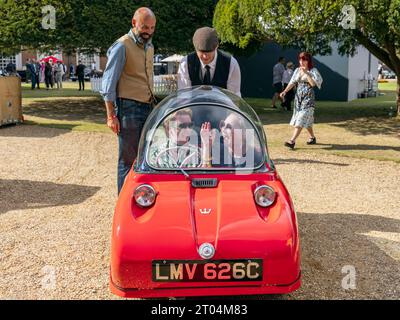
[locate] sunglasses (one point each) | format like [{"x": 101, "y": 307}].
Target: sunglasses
[
  {"x": 185, "y": 125},
  {"x": 303, "y": 58}
]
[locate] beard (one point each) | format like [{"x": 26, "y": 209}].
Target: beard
[{"x": 143, "y": 37}]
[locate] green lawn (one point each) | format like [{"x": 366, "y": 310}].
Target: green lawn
[
  {"x": 70, "y": 89},
  {"x": 363, "y": 128},
  {"x": 388, "y": 86}
]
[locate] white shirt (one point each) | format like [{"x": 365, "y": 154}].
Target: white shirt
[
  {"x": 233, "y": 78},
  {"x": 287, "y": 75},
  {"x": 277, "y": 73}
]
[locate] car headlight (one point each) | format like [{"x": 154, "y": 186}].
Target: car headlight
[
  {"x": 264, "y": 196},
  {"x": 145, "y": 195}
]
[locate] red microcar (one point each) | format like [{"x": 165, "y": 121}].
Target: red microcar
[{"x": 203, "y": 211}]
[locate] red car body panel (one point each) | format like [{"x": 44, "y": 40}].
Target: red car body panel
[{"x": 237, "y": 227}]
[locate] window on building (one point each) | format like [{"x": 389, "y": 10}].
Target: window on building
[
  {"x": 87, "y": 59},
  {"x": 4, "y": 61}
]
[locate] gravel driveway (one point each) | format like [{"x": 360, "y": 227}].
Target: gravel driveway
[{"x": 58, "y": 190}]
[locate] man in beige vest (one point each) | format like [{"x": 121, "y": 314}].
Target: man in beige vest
[{"x": 127, "y": 87}]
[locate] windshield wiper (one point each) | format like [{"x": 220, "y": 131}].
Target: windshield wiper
[{"x": 185, "y": 173}]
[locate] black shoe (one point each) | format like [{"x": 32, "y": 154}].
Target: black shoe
[
  {"x": 312, "y": 141},
  {"x": 290, "y": 145},
  {"x": 273, "y": 107}
]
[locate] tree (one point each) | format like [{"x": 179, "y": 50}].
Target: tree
[
  {"x": 313, "y": 24},
  {"x": 95, "y": 24}
]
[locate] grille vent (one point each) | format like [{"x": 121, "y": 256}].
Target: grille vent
[{"x": 205, "y": 183}]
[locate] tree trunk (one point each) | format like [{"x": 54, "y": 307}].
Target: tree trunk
[
  {"x": 398, "y": 95},
  {"x": 387, "y": 54}
]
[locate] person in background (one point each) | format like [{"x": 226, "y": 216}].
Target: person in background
[
  {"x": 36, "y": 74},
  {"x": 59, "y": 73},
  {"x": 64, "y": 78},
  {"x": 11, "y": 68},
  {"x": 162, "y": 70},
  {"x": 42, "y": 71},
  {"x": 48, "y": 73},
  {"x": 31, "y": 66},
  {"x": 287, "y": 76},
  {"x": 53, "y": 72},
  {"x": 80, "y": 72},
  {"x": 306, "y": 78},
  {"x": 71, "y": 70},
  {"x": 277, "y": 71},
  {"x": 28, "y": 70},
  {"x": 380, "y": 71}
]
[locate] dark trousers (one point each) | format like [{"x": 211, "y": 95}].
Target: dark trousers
[
  {"x": 48, "y": 80},
  {"x": 81, "y": 80},
  {"x": 34, "y": 81},
  {"x": 37, "y": 81},
  {"x": 131, "y": 115},
  {"x": 288, "y": 98}
]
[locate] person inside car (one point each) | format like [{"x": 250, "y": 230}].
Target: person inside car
[
  {"x": 238, "y": 147},
  {"x": 178, "y": 147}
]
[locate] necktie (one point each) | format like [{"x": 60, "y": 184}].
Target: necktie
[{"x": 207, "y": 76}]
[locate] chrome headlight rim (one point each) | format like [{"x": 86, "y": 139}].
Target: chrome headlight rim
[
  {"x": 271, "y": 202},
  {"x": 151, "y": 188}
]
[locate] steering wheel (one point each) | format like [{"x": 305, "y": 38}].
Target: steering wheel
[{"x": 195, "y": 152}]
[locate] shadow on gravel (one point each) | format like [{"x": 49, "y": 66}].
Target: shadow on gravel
[
  {"x": 90, "y": 109},
  {"x": 26, "y": 194},
  {"x": 361, "y": 147},
  {"x": 29, "y": 130},
  {"x": 373, "y": 125},
  {"x": 332, "y": 241},
  {"x": 308, "y": 161}
]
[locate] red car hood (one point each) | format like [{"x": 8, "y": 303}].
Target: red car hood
[{"x": 184, "y": 217}]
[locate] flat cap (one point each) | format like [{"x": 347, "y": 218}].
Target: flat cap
[{"x": 205, "y": 39}]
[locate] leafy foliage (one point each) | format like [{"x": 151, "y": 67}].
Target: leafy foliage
[
  {"x": 95, "y": 24},
  {"x": 312, "y": 25}
]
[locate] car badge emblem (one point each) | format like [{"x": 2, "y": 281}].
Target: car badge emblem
[
  {"x": 206, "y": 251},
  {"x": 205, "y": 211}
]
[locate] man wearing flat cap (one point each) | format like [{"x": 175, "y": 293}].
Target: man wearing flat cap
[{"x": 208, "y": 65}]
